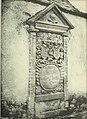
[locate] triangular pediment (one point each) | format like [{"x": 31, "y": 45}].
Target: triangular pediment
[
  {"x": 52, "y": 18},
  {"x": 51, "y": 15}
]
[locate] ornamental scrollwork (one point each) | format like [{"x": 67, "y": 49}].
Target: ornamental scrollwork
[{"x": 49, "y": 50}]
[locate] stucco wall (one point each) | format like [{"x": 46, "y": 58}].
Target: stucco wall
[
  {"x": 15, "y": 50},
  {"x": 77, "y": 55}
]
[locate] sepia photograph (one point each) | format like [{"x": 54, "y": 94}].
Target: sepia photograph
[{"x": 43, "y": 59}]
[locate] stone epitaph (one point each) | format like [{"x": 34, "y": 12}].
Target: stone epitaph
[{"x": 48, "y": 62}]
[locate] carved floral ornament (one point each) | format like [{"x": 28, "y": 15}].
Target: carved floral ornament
[
  {"x": 49, "y": 48},
  {"x": 49, "y": 53}
]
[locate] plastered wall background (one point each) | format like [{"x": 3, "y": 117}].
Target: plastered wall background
[
  {"x": 15, "y": 50},
  {"x": 77, "y": 55}
]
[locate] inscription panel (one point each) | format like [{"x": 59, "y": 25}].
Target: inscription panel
[{"x": 49, "y": 77}]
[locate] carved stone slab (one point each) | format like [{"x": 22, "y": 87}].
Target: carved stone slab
[{"x": 47, "y": 61}]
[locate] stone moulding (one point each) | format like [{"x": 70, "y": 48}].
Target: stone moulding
[
  {"x": 37, "y": 16},
  {"x": 51, "y": 28}
]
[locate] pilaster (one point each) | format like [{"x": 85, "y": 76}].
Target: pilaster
[
  {"x": 32, "y": 57},
  {"x": 66, "y": 66}
]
